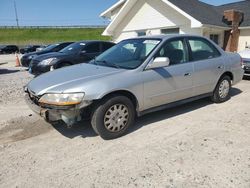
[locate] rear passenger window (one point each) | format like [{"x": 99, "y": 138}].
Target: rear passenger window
[
  {"x": 93, "y": 48},
  {"x": 175, "y": 50},
  {"x": 202, "y": 49}
]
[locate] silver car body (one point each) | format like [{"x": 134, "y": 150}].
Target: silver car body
[{"x": 150, "y": 88}]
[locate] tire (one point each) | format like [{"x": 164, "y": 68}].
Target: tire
[
  {"x": 113, "y": 116},
  {"x": 222, "y": 90}
]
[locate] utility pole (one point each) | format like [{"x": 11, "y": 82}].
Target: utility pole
[{"x": 17, "y": 24}]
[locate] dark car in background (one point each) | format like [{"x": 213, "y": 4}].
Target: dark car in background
[
  {"x": 8, "y": 49},
  {"x": 79, "y": 52},
  {"x": 26, "y": 59},
  {"x": 29, "y": 48}
]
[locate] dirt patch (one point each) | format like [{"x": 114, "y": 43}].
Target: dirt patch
[{"x": 22, "y": 128}]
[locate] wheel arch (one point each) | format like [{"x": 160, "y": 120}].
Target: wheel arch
[
  {"x": 228, "y": 73},
  {"x": 126, "y": 93}
]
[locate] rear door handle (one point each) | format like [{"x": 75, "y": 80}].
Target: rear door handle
[{"x": 187, "y": 74}]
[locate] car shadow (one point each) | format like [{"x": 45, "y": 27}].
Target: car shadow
[
  {"x": 84, "y": 128},
  {"x": 7, "y": 71},
  {"x": 4, "y": 63}
]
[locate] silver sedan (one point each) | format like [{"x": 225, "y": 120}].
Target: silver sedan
[{"x": 135, "y": 77}]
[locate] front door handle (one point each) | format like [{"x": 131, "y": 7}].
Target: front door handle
[
  {"x": 220, "y": 67},
  {"x": 187, "y": 74}
]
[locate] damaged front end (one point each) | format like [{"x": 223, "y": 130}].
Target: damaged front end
[{"x": 54, "y": 107}]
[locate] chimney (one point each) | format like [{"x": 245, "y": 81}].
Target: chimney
[{"x": 232, "y": 18}]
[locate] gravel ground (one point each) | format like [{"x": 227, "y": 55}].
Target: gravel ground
[{"x": 199, "y": 144}]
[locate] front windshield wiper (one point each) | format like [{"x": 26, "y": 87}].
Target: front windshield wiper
[{"x": 107, "y": 63}]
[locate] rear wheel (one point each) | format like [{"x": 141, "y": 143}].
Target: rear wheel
[
  {"x": 222, "y": 90},
  {"x": 113, "y": 116}
]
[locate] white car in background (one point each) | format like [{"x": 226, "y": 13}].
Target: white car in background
[{"x": 245, "y": 55}]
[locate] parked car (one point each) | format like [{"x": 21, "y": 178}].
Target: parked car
[
  {"x": 29, "y": 48},
  {"x": 245, "y": 55},
  {"x": 41, "y": 48},
  {"x": 135, "y": 77},
  {"x": 26, "y": 59},
  {"x": 75, "y": 53},
  {"x": 8, "y": 49}
]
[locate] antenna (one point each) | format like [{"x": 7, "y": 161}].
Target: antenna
[{"x": 17, "y": 24}]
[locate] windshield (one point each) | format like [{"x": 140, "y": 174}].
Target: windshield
[
  {"x": 50, "y": 47},
  {"x": 128, "y": 54},
  {"x": 73, "y": 48}
]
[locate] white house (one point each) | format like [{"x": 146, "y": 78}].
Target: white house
[{"x": 131, "y": 18}]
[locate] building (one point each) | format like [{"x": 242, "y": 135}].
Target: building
[{"x": 228, "y": 25}]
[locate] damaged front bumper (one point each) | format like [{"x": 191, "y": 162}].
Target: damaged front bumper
[{"x": 69, "y": 114}]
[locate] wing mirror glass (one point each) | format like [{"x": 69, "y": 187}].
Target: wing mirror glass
[{"x": 159, "y": 62}]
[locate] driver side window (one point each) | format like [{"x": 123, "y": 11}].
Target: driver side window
[{"x": 175, "y": 50}]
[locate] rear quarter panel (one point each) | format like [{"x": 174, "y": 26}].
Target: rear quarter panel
[{"x": 233, "y": 65}]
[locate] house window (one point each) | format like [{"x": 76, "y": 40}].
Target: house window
[
  {"x": 214, "y": 38},
  {"x": 141, "y": 33},
  {"x": 170, "y": 31}
]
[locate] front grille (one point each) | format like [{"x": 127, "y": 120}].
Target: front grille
[{"x": 33, "y": 97}]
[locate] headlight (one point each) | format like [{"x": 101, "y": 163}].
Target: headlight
[
  {"x": 48, "y": 61},
  {"x": 62, "y": 99}
]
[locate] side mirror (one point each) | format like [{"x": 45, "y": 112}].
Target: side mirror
[{"x": 159, "y": 62}]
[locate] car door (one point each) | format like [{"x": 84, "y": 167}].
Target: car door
[
  {"x": 90, "y": 51},
  {"x": 169, "y": 84},
  {"x": 208, "y": 64}
]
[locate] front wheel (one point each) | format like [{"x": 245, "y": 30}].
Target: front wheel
[
  {"x": 113, "y": 116},
  {"x": 222, "y": 90}
]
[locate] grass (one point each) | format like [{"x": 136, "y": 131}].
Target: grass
[{"x": 49, "y": 35}]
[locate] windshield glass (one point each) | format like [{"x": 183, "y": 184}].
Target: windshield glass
[
  {"x": 73, "y": 48},
  {"x": 50, "y": 47},
  {"x": 128, "y": 54}
]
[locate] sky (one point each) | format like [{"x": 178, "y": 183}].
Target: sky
[{"x": 60, "y": 12}]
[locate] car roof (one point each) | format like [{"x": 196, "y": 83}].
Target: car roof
[
  {"x": 90, "y": 41},
  {"x": 167, "y": 36}
]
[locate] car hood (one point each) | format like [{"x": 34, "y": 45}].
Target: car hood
[
  {"x": 245, "y": 54},
  {"x": 49, "y": 55},
  {"x": 69, "y": 79},
  {"x": 36, "y": 53}
]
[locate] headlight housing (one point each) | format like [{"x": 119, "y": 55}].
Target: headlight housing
[
  {"x": 48, "y": 61},
  {"x": 61, "y": 99}
]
